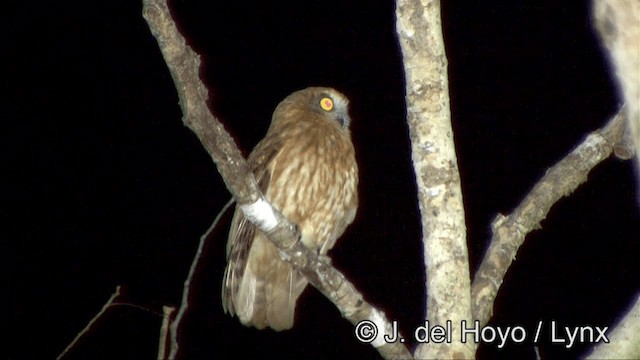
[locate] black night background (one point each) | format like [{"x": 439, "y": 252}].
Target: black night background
[{"x": 104, "y": 186}]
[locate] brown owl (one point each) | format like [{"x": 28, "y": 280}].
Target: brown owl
[{"x": 306, "y": 168}]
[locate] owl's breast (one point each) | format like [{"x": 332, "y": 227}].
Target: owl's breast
[{"x": 314, "y": 184}]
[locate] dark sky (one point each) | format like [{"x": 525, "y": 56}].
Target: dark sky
[{"x": 104, "y": 186}]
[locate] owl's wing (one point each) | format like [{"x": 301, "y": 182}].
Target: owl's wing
[
  {"x": 259, "y": 161},
  {"x": 242, "y": 231}
]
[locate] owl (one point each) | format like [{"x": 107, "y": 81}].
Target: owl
[{"x": 306, "y": 168}]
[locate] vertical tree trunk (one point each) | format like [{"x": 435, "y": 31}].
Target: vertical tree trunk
[{"x": 434, "y": 160}]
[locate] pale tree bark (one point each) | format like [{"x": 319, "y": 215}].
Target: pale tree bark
[
  {"x": 184, "y": 65},
  {"x": 618, "y": 23},
  {"x": 165, "y": 335},
  {"x": 449, "y": 294},
  {"x": 624, "y": 339},
  {"x": 509, "y": 232},
  {"x": 428, "y": 116},
  {"x": 434, "y": 160}
]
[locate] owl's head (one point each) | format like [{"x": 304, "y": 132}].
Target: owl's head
[{"x": 314, "y": 103}]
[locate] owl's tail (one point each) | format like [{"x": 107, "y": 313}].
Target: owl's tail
[{"x": 266, "y": 291}]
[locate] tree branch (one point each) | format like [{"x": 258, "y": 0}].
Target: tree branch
[
  {"x": 167, "y": 313},
  {"x": 618, "y": 24},
  {"x": 624, "y": 339},
  {"x": 184, "y": 304},
  {"x": 437, "y": 176},
  {"x": 509, "y": 232},
  {"x": 90, "y": 323},
  {"x": 183, "y": 64}
]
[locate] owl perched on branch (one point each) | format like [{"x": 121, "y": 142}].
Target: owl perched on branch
[{"x": 306, "y": 168}]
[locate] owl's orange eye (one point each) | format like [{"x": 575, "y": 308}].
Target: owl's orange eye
[{"x": 326, "y": 104}]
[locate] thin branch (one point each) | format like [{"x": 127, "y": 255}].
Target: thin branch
[
  {"x": 184, "y": 304},
  {"x": 509, "y": 232},
  {"x": 437, "y": 176},
  {"x": 90, "y": 324},
  {"x": 184, "y": 64},
  {"x": 167, "y": 311}
]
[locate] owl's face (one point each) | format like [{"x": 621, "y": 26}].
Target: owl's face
[
  {"x": 316, "y": 103},
  {"x": 332, "y": 104}
]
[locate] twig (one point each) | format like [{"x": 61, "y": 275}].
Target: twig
[
  {"x": 509, "y": 232},
  {"x": 91, "y": 322},
  {"x": 167, "y": 311},
  {"x": 184, "y": 304},
  {"x": 184, "y": 64}
]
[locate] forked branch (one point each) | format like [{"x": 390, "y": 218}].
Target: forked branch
[{"x": 509, "y": 232}]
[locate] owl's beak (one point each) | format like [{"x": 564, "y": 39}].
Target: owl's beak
[{"x": 344, "y": 120}]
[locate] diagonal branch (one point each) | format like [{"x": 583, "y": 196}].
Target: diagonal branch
[
  {"x": 186, "y": 287},
  {"x": 184, "y": 64},
  {"x": 82, "y": 332},
  {"x": 509, "y": 232}
]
